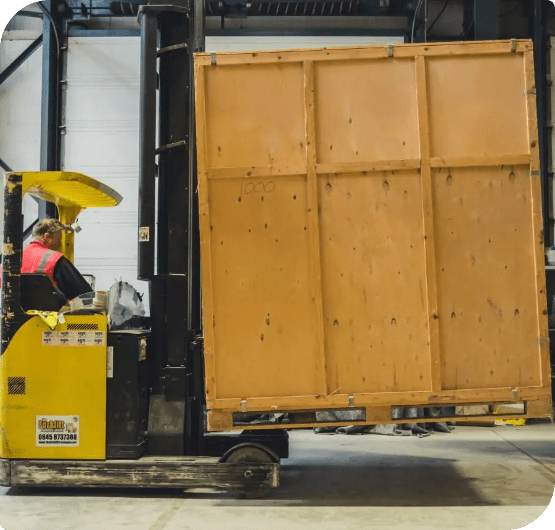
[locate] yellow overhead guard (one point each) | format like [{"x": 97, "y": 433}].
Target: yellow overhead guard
[
  {"x": 67, "y": 189},
  {"x": 71, "y": 193}
]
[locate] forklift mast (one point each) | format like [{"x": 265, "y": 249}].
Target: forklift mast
[
  {"x": 168, "y": 254},
  {"x": 169, "y": 245},
  {"x": 12, "y": 315}
]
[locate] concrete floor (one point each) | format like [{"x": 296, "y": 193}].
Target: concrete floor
[{"x": 474, "y": 478}]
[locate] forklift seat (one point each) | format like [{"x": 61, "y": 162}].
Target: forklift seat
[{"x": 39, "y": 293}]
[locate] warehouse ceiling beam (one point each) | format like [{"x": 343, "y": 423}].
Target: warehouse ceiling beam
[
  {"x": 7, "y": 72},
  {"x": 244, "y": 8},
  {"x": 302, "y": 8},
  {"x": 31, "y": 14},
  {"x": 105, "y": 8}
]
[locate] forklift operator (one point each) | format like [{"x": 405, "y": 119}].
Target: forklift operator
[{"x": 43, "y": 255}]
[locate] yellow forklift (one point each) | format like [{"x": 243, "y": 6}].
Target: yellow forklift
[
  {"x": 83, "y": 403},
  {"x": 75, "y": 397}
]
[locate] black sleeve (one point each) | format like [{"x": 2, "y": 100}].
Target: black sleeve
[{"x": 69, "y": 279}]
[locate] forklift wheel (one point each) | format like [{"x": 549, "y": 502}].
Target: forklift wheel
[{"x": 250, "y": 453}]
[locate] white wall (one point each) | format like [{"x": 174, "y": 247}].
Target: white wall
[
  {"x": 229, "y": 44},
  {"x": 102, "y": 141},
  {"x": 20, "y": 117}
]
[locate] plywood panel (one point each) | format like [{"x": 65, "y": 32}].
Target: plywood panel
[
  {"x": 488, "y": 311},
  {"x": 255, "y": 117},
  {"x": 263, "y": 319},
  {"x": 373, "y": 269},
  {"x": 373, "y": 116},
  {"x": 478, "y": 107}
]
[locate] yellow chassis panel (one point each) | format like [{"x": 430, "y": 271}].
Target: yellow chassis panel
[{"x": 54, "y": 380}]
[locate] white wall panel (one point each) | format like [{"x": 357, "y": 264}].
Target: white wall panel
[
  {"x": 20, "y": 115},
  {"x": 102, "y": 140},
  {"x": 232, "y": 44}
]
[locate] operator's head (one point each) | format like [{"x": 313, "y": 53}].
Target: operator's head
[{"x": 49, "y": 233}]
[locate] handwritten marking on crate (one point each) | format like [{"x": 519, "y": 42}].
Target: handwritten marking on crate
[
  {"x": 257, "y": 187},
  {"x": 73, "y": 338}
]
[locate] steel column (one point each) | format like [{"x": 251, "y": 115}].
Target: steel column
[
  {"x": 52, "y": 38},
  {"x": 540, "y": 57}
]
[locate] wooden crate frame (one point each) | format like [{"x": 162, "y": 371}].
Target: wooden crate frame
[{"x": 324, "y": 396}]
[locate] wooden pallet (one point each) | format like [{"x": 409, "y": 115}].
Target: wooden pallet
[{"x": 225, "y": 420}]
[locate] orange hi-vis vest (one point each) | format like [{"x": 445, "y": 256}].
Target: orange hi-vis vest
[{"x": 39, "y": 258}]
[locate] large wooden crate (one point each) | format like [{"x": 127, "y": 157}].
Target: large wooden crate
[{"x": 371, "y": 230}]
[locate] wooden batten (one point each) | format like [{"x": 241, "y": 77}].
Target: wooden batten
[
  {"x": 429, "y": 225},
  {"x": 314, "y": 229},
  {"x": 204, "y": 224},
  {"x": 535, "y": 184},
  {"x": 400, "y": 51}
]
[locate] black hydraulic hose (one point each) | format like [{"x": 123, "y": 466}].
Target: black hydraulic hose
[{"x": 49, "y": 16}]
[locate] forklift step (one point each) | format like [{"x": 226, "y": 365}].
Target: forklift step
[{"x": 146, "y": 472}]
